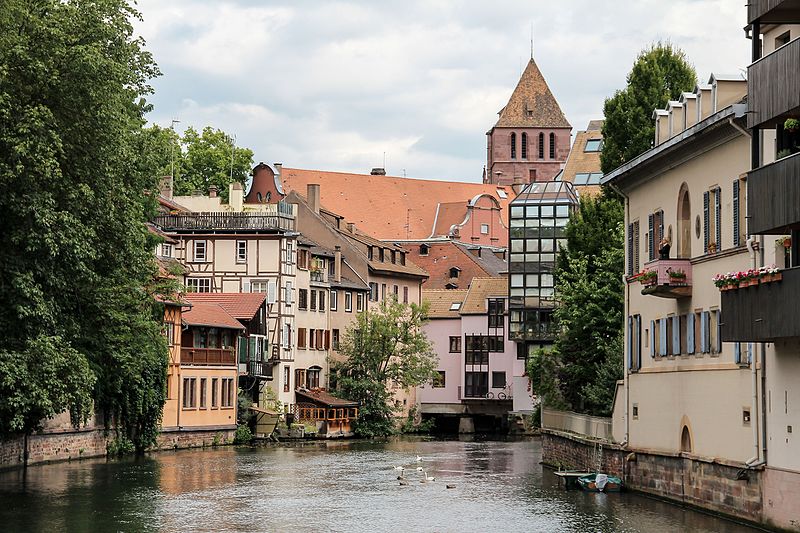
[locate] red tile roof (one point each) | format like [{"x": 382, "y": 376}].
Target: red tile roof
[
  {"x": 324, "y": 398},
  {"x": 210, "y": 315},
  {"x": 386, "y": 206},
  {"x": 243, "y": 306},
  {"x": 442, "y": 256}
]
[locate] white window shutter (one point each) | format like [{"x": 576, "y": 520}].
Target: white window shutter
[
  {"x": 246, "y": 286},
  {"x": 272, "y": 290}
]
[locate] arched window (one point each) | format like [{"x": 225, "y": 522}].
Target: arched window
[
  {"x": 524, "y": 146},
  {"x": 552, "y": 145},
  {"x": 513, "y": 146},
  {"x": 541, "y": 146},
  {"x": 686, "y": 440}
]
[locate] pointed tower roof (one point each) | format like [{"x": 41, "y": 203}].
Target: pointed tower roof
[{"x": 532, "y": 105}]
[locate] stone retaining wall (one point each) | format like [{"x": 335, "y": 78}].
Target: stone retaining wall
[{"x": 700, "y": 482}]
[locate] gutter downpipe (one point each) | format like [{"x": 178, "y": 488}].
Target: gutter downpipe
[
  {"x": 753, "y": 355},
  {"x": 624, "y": 442}
]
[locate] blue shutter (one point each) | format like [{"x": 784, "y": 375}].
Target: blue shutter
[
  {"x": 750, "y": 346},
  {"x": 638, "y": 347},
  {"x": 651, "y": 238},
  {"x": 690, "y": 333},
  {"x": 630, "y": 249},
  {"x": 737, "y": 353},
  {"x": 629, "y": 343},
  {"x": 736, "y": 229},
  {"x": 706, "y": 222},
  {"x": 704, "y": 332},
  {"x": 676, "y": 335},
  {"x": 662, "y": 336},
  {"x": 717, "y": 217},
  {"x": 718, "y": 347},
  {"x": 652, "y": 338}
]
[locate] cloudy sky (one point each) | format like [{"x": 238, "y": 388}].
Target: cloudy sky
[{"x": 336, "y": 84}]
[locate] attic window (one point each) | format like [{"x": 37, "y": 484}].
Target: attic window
[
  {"x": 587, "y": 178},
  {"x": 423, "y": 249},
  {"x": 502, "y": 193},
  {"x": 593, "y": 145},
  {"x": 454, "y": 272},
  {"x": 455, "y": 306}
]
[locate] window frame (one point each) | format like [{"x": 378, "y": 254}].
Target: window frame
[
  {"x": 241, "y": 251},
  {"x": 455, "y": 342},
  {"x": 197, "y": 256}
]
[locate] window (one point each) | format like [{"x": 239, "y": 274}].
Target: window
[
  {"x": 552, "y": 145},
  {"x": 522, "y": 350},
  {"x": 513, "y": 146},
  {"x": 439, "y": 379},
  {"x": 334, "y": 300},
  {"x": 541, "y": 146},
  {"x": 782, "y": 39},
  {"x": 313, "y": 299},
  {"x": 715, "y": 341},
  {"x": 287, "y": 294},
  {"x": 423, "y": 249},
  {"x": 476, "y": 349},
  {"x": 166, "y": 250},
  {"x": 301, "y": 338},
  {"x": 497, "y": 308},
  {"x": 455, "y": 344},
  {"x": 656, "y": 233},
  {"x": 524, "y": 146},
  {"x": 348, "y": 302},
  {"x": 241, "y": 251},
  {"x": 312, "y": 340},
  {"x": 369, "y": 253},
  {"x": 286, "y": 375},
  {"x": 312, "y": 378},
  {"x": 335, "y": 339},
  {"x": 198, "y": 284},
  {"x": 200, "y": 251},
  {"x": 289, "y": 253},
  {"x": 496, "y": 344},
  {"x": 396, "y": 291},
  {"x": 302, "y": 259},
  {"x": 587, "y": 178},
  {"x": 359, "y": 302},
  {"x": 405, "y": 295},
  {"x": 302, "y": 298},
  {"x": 739, "y": 211},
  {"x": 454, "y": 272},
  {"x": 712, "y": 227},
  {"x": 214, "y": 393},
  {"x": 286, "y": 338},
  {"x": 373, "y": 291},
  {"x": 485, "y": 229},
  {"x": 394, "y": 256},
  {"x": 498, "y": 380},
  {"x": 382, "y": 253},
  {"x": 227, "y": 392},
  {"x": 593, "y": 145},
  {"x": 189, "y": 385},
  {"x": 321, "y": 300},
  {"x": 203, "y": 392},
  {"x": 633, "y": 248},
  {"x": 476, "y": 384},
  {"x": 169, "y": 332},
  {"x": 455, "y": 306},
  {"x": 259, "y": 286}
]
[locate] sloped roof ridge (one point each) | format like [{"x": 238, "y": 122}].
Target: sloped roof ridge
[
  {"x": 532, "y": 103},
  {"x": 404, "y": 178}
]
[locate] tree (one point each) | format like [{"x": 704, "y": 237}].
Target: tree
[
  {"x": 207, "y": 162},
  {"x": 660, "y": 73},
  {"x": 79, "y": 321},
  {"x": 382, "y": 347},
  {"x": 581, "y": 370}
]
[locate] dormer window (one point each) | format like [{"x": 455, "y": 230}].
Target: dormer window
[
  {"x": 394, "y": 256},
  {"x": 369, "y": 253},
  {"x": 383, "y": 256},
  {"x": 593, "y": 145},
  {"x": 455, "y": 306},
  {"x": 423, "y": 249},
  {"x": 402, "y": 258},
  {"x": 454, "y": 271}
]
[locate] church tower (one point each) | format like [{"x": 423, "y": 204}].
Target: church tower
[{"x": 530, "y": 141}]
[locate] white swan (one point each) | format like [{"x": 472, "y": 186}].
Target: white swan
[
  {"x": 399, "y": 468},
  {"x": 428, "y": 478},
  {"x": 419, "y": 458},
  {"x": 419, "y": 469}
]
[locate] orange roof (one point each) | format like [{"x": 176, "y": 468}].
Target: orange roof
[
  {"x": 449, "y": 214},
  {"x": 441, "y": 302},
  {"x": 210, "y": 315},
  {"x": 581, "y": 161},
  {"x": 532, "y": 105},
  {"x": 389, "y": 207},
  {"x": 479, "y": 290},
  {"x": 242, "y": 305}
]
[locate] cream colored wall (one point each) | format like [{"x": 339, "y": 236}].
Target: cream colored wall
[
  {"x": 690, "y": 113},
  {"x": 705, "y": 391},
  {"x": 706, "y": 104},
  {"x": 768, "y": 37},
  {"x": 308, "y": 319},
  {"x": 783, "y": 404},
  {"x": 729, "y": 93},
  {"x": 676, "y": 120}
]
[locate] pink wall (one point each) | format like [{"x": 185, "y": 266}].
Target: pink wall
[
  {"x": 439, "y": 331},
  {"x": 485, "y": 211},
  {"x": 546, "y": 168}
]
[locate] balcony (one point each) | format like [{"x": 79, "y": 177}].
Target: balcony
[
  {"x": 773, "y": 86},
  {"x": 666, "y": 278},
  {"x": 762, "y": 313},
  {"x": 208, "y": 356},
  {"x": 773, "y": 11},
  {"x": 773, "y": 197},
  {"x": 260, "y": 369},
  {"x": 226, "y": 222}
]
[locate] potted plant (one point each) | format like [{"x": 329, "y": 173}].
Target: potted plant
[
  {"x": 786, "y": 241},
  {"x": 648, "y": 277},
  {"x": 677, "y": 277},
  {"x": 783, "y": 153},
  {"x": 791, "y": 125},
  {"x": 712, "y": 247}
]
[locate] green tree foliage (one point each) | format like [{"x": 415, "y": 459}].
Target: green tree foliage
[
  {"x": 77, "y": 270},
  {"x": 381, "y": 347},
  {"x": 660, "y": 73},
  {"x": 581, "y": 370}
]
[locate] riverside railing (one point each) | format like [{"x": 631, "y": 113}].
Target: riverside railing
[{"x": 594, "y": 427}]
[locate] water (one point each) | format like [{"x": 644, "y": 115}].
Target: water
[{"x": 334, "y": 486}]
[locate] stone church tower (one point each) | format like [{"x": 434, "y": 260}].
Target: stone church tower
[{"x": 531, "y": 139}]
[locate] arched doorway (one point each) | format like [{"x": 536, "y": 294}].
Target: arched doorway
[
  {"x": 686, "y": 440},
  {"x": 684, "y": 223}
]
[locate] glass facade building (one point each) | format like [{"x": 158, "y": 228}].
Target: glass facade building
[{"x": 537, "y": 225}]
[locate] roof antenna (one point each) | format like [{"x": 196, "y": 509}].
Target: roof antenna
[{"x": 531, "y": 40}]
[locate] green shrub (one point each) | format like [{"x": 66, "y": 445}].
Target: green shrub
[
  {"x": 119, "y": 446},
  {"x": 243, "y": 435}
]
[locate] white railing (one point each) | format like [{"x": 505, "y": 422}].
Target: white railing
[{"x": 588, "y": 426}]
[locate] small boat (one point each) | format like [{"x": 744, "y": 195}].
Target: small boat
[{"x": 600, "y": 483}]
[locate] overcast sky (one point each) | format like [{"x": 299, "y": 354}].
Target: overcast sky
[{"x": 333, "y": 85}]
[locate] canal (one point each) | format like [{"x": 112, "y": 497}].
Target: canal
[{"x": 333, "y": 486}]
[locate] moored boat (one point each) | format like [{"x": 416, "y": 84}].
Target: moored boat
[{"x": 600, "y": 483}]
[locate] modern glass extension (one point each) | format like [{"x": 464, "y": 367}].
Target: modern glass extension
[{"x": 538, "y": 220}]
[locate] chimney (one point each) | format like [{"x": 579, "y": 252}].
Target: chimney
[
  {"x": 166, "y": 187},
  {"x": 378, "y": 171},
  {"x": 212, "y": 191},
  {"x": 236, "y": 196},
  {"x": 337, "y": 264},
  {"x": 351, "y": 227},
  {"x": 312, "y": 196}
]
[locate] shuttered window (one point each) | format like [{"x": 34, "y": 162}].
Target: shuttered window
[
  {"x": 676, "y": 335},
  {"x": 718, "y": 217},
  {"x": 690, "y": 325},
  {"x": 653, "y": 338},
  {"x": 706, "y": 220},
  {"x": 651, "y": 237},
  {"x": 630, "y": 250},
  {"x": 736, "y": 228}
]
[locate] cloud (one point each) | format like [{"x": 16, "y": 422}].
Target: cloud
[{"x": 334, "y": 85}]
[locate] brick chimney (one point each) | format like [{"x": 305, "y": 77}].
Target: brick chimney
[
  {"x": 212, "y": 191},
  {"x": 166, "y": 187},
  {"x": 337, "y": 264},
  {"x": 312, "y": 196}
]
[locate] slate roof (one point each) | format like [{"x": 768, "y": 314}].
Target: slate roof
[
  {"x": 479, "y": 290},
  {"x": 209, "y": 315},
  {"x": 532, "y": 105},
  {"x": 440, "y": 301},
  {"x": 240, "y": 305},
  {"x": 391, "y": 208}
]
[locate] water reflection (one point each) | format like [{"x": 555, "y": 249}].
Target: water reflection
[{"x": 331, "y": 486}]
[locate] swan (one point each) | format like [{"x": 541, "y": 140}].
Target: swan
[
  {"x": 419, "y": 469},
  {"x": 400, "y": 468},
  {"x": 428, "y": 478},
  {"x": 403, "y": 482},
  {"x": 419, "y": 458}
]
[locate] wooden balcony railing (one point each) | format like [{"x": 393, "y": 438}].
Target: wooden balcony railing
[
  {"x": 773, "y": 196},
  {"x": 773, "y": 85},
  {"x": 225, "y": 221},
  {"x": 208, "y": 356},
  {"x": 773, "y": 11}
]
